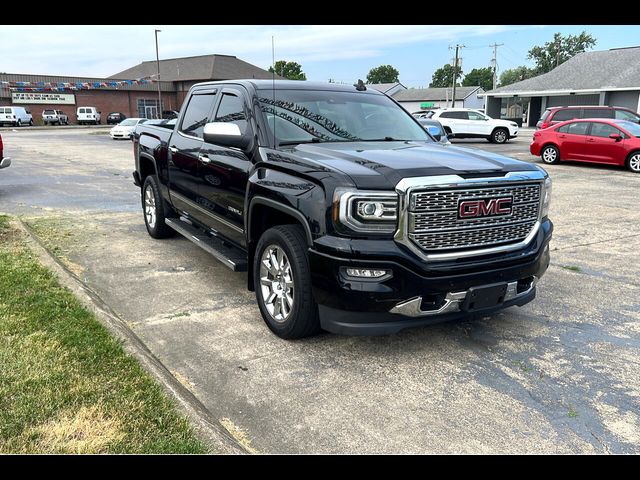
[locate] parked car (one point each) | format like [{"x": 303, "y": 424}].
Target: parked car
[
  {"x": 4, "y": 161},
  {"x": 554, "y": 115},
  {"x": 435, "y": 129},
  {"x": 469, "y": 123},
  {"x": 169, "y": 114},
  {"x": 115, "y": 118},
  {"x": 54, "y": 116},
  {"x": 15, "y": 116},
  {"x": 88, "y": 115},
  {"x": 421, "y": 113},
  {"x": 125, "y": 128},
  {"x": 615, "y": 142},
  {"x": 345, "y": 213}
]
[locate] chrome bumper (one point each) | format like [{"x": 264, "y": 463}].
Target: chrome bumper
[{"x": 452, "y": 301}]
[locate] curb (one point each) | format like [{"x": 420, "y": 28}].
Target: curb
[
  {"x": 205, "y": 425},
  {"x": 52, "y": 127}
]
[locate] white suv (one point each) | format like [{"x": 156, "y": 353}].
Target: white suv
[
  {"x": 88, "y": 115},
  {"x": 54, "y": 116},
  {"x": 469, "y": 123}
]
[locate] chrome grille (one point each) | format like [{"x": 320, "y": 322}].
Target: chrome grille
[{"x": 433, "y": 223}]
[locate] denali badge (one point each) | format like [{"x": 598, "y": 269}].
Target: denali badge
[{"x": 485, "y": 207}]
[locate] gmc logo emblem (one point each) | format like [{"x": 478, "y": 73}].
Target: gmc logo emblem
[{"x": 485, "y": 207}]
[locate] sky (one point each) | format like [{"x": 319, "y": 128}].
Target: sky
[{"x": 343, "y": 53}]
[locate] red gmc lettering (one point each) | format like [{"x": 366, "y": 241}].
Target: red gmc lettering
[{"x": 485, "y": 208}]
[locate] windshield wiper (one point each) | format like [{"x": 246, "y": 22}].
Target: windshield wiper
[
  {"x": 297, "y": 142},
  {"x": 384, "y": 139}
]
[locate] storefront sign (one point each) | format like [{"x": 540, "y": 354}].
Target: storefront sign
[
  {"x": 426, "y": 105},
  {"x": 47, "y": 98}
]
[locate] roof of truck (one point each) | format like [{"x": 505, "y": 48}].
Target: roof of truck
[{"x": 292, "y": 85}]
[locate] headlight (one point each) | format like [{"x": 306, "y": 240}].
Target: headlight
[
  {"x": 546, "y": 196},
  {"x": 365, "y": 211}
]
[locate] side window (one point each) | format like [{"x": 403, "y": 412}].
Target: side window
[
  {"x": 448, "y": 115},
  {"x": 625, "y": 115},
  {"x": 461, "y": 115},
  {"x": 603, "y": 130},
  {"x": 197, "y": 114},
  {"x": 566, "y": 114},
  {"x": 475, "y": 116},
  {"x": 596, "y": 113},
  {"x": 576, "y": 128},
  {"x": 231, "y": 109}
]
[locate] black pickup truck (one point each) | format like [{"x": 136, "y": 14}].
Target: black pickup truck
[{"x": 345, "y": 213}]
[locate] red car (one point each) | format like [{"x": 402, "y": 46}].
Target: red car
[
  {"x": 596, "y": 140},
  {"x": 4, "y": 161}
]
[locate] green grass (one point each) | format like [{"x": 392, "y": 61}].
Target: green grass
[
  {"x": 66, "y": 385},
  {"x": 572, "y": 268},
  {"x": 572, "y": 413}
]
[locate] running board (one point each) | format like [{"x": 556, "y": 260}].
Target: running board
[{"x": 231, "y": 257}]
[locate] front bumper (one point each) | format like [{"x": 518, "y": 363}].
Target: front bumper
[{"x": 365, "y": 307}]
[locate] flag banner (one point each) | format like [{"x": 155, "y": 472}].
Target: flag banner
[{"x": 62, "y": 86}]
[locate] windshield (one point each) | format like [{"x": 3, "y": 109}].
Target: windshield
[
  {"x": 631, "y": 127},
  {"x": 129, "y": 122},
  {"x": 303, "y": 116}
]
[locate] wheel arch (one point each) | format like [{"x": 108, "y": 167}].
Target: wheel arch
[
  {"x": 147, "y": 166},
  {"x": 265, "y": 213}
]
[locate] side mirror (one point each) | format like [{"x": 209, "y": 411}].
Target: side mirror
[
  {"x": 226, "y": 135},
  {"x": 616, "y": 136},
  {"x": 450, "y": 136}
]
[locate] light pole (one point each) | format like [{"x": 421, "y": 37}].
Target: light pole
[{"x": 158, "y": 77}]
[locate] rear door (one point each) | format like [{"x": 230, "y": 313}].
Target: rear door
[
  {"x": 601, "y": 148},
  {"x": 224, "y": 172},
  {"x": 184, "y": 149},
  {"x": 455, "y": 121},
  {"x": 572, "y": 140}
]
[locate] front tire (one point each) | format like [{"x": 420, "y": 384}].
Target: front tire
[
  {"x": 500, "y": 135},
  {"x": 633, "y": 162},
  {"x": 550, "y": 154},
  {"x": 282, "y": 280},
  {"x": 154, "y": 209},
  {"x": 19, "y": 123}
]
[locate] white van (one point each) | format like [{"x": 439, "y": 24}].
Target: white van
[
  {"x": 16, "y": 116},
  {"x": 88, "y": 115}
]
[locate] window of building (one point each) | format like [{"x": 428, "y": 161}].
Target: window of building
[
  {"x": 148, "y": 108},
  {"x": 197, "y": 114}
]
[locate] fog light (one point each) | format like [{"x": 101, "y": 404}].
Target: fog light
[{"x": 367, "y": 272}]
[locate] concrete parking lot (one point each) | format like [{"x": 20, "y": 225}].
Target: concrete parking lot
[{"x": 559, "y": 375}]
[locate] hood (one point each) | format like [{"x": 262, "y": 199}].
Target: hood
[{"x": 381, "y": 165}]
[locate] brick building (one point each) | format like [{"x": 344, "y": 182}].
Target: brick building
[{"x": 177, "y": 75}]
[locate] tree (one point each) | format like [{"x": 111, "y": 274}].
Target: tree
[
  {"x": 383, "y": 74},
  {"x": 443, "y": 77},
  {"x": 479, "y": 76},
  {"x": 290, "y": 70},
  {"x": 558, "y": 51},
  {"x": 517, "y": 74}
]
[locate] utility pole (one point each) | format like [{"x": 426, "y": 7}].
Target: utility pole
[
  {"x": 158, "y": 77},
  {"x": 455, "y": 76},
  {"x": 494, "y": 62}
]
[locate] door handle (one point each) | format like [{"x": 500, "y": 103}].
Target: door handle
[
  {"x": 591, "y": 140},
  {"x": 174, "y": 149},
  {"x": 204, "y": 159},
  {"x": 562, "y": 136}
]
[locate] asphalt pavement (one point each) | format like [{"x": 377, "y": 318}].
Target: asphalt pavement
[{"x": 560, "y": 375}]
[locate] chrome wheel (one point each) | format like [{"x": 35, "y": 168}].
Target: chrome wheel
[
  {"x": 150, "y": 206},
  {"x": 634, "y": 163},
  {"x": 276, "y": 283},
  {"x": 500, "y": 136},
  {"x": 549, "y": 155}
]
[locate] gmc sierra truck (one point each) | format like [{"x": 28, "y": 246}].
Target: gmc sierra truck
[{"x": 346, "y": 214}]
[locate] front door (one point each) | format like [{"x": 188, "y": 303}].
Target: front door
[
  {"x": 601, "y": 148},
  {"x": 572, "y": 140},
  {"x": 183, "y": 155},
  {"x": 478, "y": 124},
  {"x": 224, "y": 172}
]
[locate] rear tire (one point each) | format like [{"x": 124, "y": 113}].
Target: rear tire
[
  {"x": 155, "y": 209},
  {"x": 550, "y": 154},
  {"x": 31, "y": 123},
  {"x": 633, "y": 162},
  {"x": 500, "y": 135},
  {"x": 289, "y": 309}
]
